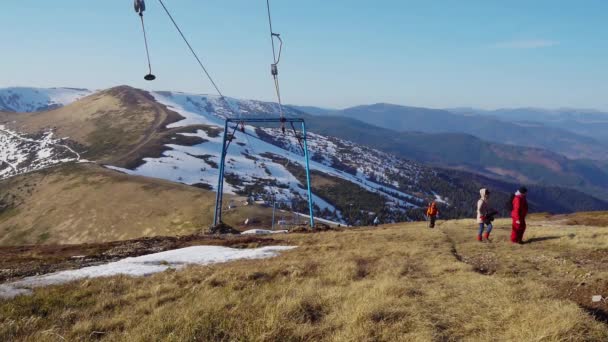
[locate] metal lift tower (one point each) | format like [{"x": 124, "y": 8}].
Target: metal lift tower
[{"x": 217, "y": 218}]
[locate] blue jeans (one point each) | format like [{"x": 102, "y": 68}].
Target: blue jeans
[{"x": 488, "y": 230}]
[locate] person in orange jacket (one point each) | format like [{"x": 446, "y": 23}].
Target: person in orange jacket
[
  {"x": 432, "y": 213},
  {"x": 518, "y": 214}
]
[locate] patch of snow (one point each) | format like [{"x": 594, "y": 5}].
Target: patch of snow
[
  {"x": 263, "y": 232},
  {"x": 329, "y": 222},
  {"x": 142, "y": 266},
  {"x": 20, "y": 154},
  {"x": 440, "y": 199}
]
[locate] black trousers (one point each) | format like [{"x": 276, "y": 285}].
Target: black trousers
[{"x": 432, "y": 221}]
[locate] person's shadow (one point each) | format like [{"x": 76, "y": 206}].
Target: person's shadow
[{"x": 542, "y": 238}]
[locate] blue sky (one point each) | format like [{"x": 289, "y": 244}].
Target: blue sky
[{"x": 338, "y": 53}]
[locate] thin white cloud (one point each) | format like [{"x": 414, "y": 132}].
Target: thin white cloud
[{"x": 526, "y": 44}]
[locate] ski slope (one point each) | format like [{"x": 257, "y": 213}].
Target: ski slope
[{"x": 248, "y": 160}]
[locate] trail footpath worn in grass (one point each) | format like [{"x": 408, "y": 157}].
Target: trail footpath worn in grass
[
  {"x": 570, "y": 259},
  {"x": 395, "y": 283}
]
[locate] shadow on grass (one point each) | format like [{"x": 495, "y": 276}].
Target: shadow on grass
[{"x": 540, "y": 239}]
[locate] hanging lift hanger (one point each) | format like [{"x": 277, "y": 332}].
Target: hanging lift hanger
[{"x": 140, "y": 7}]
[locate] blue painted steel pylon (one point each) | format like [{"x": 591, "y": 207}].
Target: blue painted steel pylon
[{"x": 217, "y": 217}]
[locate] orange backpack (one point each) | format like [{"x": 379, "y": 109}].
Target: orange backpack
[{"x": 432, "y": 209}]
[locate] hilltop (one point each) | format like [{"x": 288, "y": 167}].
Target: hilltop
[
  {"x": 86, "y": 203},
  {"x": 397, "y": 282}
]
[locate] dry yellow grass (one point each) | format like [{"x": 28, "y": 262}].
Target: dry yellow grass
[
  {"x": 80, "y": 203},
  {"x": 397, "y": 283},
  {"x": 599, "y": 219}
]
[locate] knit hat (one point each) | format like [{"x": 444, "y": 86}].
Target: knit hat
[{"x": 523, "y": 190}]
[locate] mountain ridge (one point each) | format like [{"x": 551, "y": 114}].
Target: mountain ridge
[
  {"x": 487, "y": 127},
  {"x": 184, "y": 149}
]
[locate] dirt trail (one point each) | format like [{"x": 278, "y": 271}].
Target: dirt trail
[{"x": 548, "y": 255}]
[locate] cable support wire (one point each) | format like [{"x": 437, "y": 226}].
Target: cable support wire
[
  {"x": 200, "y": 63},
  {"x": 274, "y": 69}
]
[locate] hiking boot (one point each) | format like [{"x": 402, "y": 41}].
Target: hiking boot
[
  {"x": 479, "y": 238},
  {"x": 486, "y": 236}
]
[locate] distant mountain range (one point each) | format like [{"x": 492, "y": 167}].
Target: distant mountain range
[
  {"x": 466, "y": 152},
  {"x": 586, "y": 122},
  {"x": 577, "y": 135}
]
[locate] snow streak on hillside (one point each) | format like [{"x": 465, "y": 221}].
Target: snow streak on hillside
[
  {"x": 21, "y": 99},
  {"x": 20, "y": 154},
  {"x": 264, "y": 158}
]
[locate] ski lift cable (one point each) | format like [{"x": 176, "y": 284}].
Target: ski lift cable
[
  {"x": 143, "y": 28},
  {"x": 276, "y": 57},
  {"x": 274, "y": 70},
  {"x": 271, "y": 32},
  {"x": 200, "y": 63}
]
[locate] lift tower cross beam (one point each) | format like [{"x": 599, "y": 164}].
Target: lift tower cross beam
[{"x": 217, "y": 218}]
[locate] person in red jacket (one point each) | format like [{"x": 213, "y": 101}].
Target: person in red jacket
[{"x": 518, "y": 214}]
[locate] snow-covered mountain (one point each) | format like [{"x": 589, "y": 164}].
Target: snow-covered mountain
[
  {"x": 263, "y": 161},
  {"x": 20, "y": 153},
  {"x": 23, "y": 99}
]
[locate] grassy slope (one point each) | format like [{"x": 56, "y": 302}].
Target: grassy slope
[
  {"x": 397, "y": 283},
  {"x": 592, "y": 218},
  {"x": 77, "y": 203}
]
